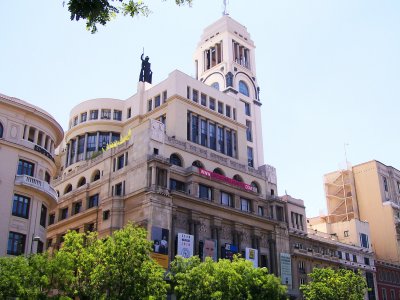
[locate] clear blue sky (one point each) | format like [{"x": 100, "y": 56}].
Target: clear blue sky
[{"x": 329, "y": 72}]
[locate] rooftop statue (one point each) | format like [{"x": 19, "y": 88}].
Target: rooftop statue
[{"x": 145, "y": 73}]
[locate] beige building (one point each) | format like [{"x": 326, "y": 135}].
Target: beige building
[
  {"x": 184, "y": 156},
  {"x": 28, "y": 137}
]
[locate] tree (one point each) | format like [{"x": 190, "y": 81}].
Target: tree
[
  {"x": 224, "y": 279},
  {"x": 329, "y": 284},
  {"x": 102, "y": 11}
]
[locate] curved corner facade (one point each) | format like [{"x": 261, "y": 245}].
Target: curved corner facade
[{"x": 28, "y": 138}]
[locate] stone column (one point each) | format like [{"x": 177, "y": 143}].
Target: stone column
[
  {"x": 35, "y": 138},
  {"x": 26, "y": 133}
]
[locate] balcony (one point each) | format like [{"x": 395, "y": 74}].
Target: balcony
[{"x": 37, "y": 184}]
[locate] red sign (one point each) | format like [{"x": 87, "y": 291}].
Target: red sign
[{"x": 228, "y": 180}]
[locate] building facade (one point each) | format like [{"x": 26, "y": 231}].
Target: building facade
[{"x": 28, "y": 138}]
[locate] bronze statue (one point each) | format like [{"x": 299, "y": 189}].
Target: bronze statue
[{"x": 145, "y": 73}]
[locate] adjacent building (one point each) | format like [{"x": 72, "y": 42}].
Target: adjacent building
[{"x": 28, "y": 138}]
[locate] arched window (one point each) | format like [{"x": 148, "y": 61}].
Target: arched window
[
  {"x": 219, "y": 171},
  {"x": 95, "y": 176},
  {"x": 243, "y": 88},
  {"x": 68, "y": 189},
  {"x": 1, "y": 130},
  {"x": 175, "y": 160},
  {"x": 215, "y": 85},
  {"x": 256, "y": 187},
  {"x": 237, "y": 177},
  {"x": 81, "y": 181},
  {"x": 198, "y": 164}
]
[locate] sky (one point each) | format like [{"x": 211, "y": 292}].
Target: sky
[{"x": 329, "y": 72}]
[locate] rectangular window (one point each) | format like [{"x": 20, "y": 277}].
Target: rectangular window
[
  {"x": 346, "y": 233},
  {"x": 157, "y": 101},
  {"x": 118, "y": 189},
  {"x": 52, "y": 218},
  {"x": 366, "y": 261},
  {"x": 247, "y": 109},
  {"x": 129, "y": 113},
  {"x": 115, "y": 137},
  {"x": 149, "y": 105},
  {"x": 106, "y": 215},
  {"x": 384, "y": 295},
  {"x": 250, "y": 159},
  {"x": 164, "y": 96},
  {"x": 188, "y": 92},
  {"x": 106, "y": 114},
  {"x": 94, "y": 114},
  {"x": 21, "y": 206},
  {"x": 339, "y": 253},
  {"x": 16, "y": 243},
  {"x": 91, "y": 145},
  {"x": 25, "y": 168},
  {"x": 205, "y": 192},
  {"x": 117, "y": 115},
  {"x": 245, "y": 204},
  {"x": 203, "y": 132},
  {"x": 176, "y": 185},
  {"x": 104, "y": 139},
  {"x": 161, "y": 177},
  {"x": 212, "y": 103},
  {"x": 385, "y": 184},
  {"x": 261, "y": 211},
  {"x": 392, "y": 295},
  {"x": 63, "y": 213},
  {"x": 220, "y": 107},
  {"x": 220, "y": 140},
  {"x": 226, "y": 199},
  {"x": 229, "y": 150},
  {"x": 39, "y": 248},
  {"x": 195, "y": 129},
  {"x": 83, "y": 117},
  {"x": 354, "y": 258},
  {"x": 93, "y": 201},
  {"x": 347, "y": 256},
  {"x": 364, "y": 240},
  {"x": 81, "y": 147},
  {"x": 43, "y": 216},
  {"x": 234, "y": 113},
  {"x": 195, "y": 96},
  {"x": 228, "y": 111},
  {"x": 120, "y": 161},
  {"x": 75, "y": 121},
  {"x": 203, "y": 99},
  {"x": 279, "y": 213},
  {"x": 249, "y": 134},
  {"x": 76, "y": 207},
  {"x": 213, "y": 137}
]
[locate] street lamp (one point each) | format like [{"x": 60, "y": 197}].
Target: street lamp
[{"x": 34, "y": 239}]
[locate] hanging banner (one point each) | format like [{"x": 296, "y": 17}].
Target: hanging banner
[
  {"x": 210, "y": 249},
  {"x": 159, "y": 236},
  {"x": 252, "y": 255},
  {"x": 286, "y": 269},
  {"x": 185, "y": 245}
]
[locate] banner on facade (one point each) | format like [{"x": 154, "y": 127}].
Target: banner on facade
[
  {"x": 210, "y": 249},
  {"x": 159, "y": 236},
  {"x": 185, "y": 245},
  {"x": 252, "y": 255},
  {"x": 286, "y": 269},
  {"x": 229, "y": 250}
]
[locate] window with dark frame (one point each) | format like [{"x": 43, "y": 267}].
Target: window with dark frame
[
  {"x": 205, "y": 192},
  {"x": 94, "y": 114},
  {"x": 176, "y": 185},
  {"x": 212, "y": 103},
  {"x": 245, "y": 205},
  {"x": 106, "y": 114},
  {"x": 16, "y": 243},
  {"x": 157, "y": 101},
  {"x": 106, "y": 215},
  {"x": 21, "y": 206},
  {"x": 43, "y": 216},
  {"x": 226, "y": 199},
  {"x": 76, "y": 207},
  {"x": 52, "y": 219},
  {"x": 93, "y": 201},
  {"x": 118, "y": 191},
  {"x": 25, "y": 168},
  {"x": 117, "y": 115},
  {"x": 63, "y": 213}
]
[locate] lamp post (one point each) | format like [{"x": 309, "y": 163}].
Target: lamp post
[{"x": 34, "y": 239}]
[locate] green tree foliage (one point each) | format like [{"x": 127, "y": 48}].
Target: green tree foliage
[
  {"x": 102, "y": 11},
  {"x": 224, "y": 279},
  {"x": 329, "y": 284}
]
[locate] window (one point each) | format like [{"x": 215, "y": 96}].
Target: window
[
  {"x": 228, "y": 111},
  {"x": 247, "y": 109},
  {"x": 75, "y": 121},
  {"x": 63, "y": 213},
  {"x": 1, "y": 130},
  {"x": 248, "y": 131},
  {"x": 118, "y": 191},
  {"x": 211, "y": 103},
  {"x": 96, "y": 175},
  {"x": 176, "y": 185},
  {"x": 43, "y": 216},
  {"x": 195, "y": 129},
  {"x": 93, "y": 201},
  {"x": 94, "y": 114},
  {"x": 215, "y": 85},
  {"x": 81, "y": 147},
  {"x": 47, "y": 177},
  {"x": 213, "y": 137},
  {"x": 384, "y": 295},
  {"x": 220, "y": 140},
  {"x": 188, "y": 92},
  {"x": 195, "y": 96},
  {"x": 261, "y": 211},
  {"x": 25, "y": 168},
  {"x": 301, "y": 265},
  {"x": 243, "y": 88},
  {"x": 366, "y": 261},
  {"x": 364, "y": 240},
  {"x": 205, "y": 192},
  {"x": 76, "y": 207},
  {"x": 303, "y": 281},
  {"x": 385, "y": 184},
  {"x": 106, "y": 215},
  {"x": 120, "y": 161},
  {"x": 21, "y": 206},
  {"x": 346, "y": 233},
  {"x": 279, "y": 213},
  {"x": 392, "y": 295},
  {"x": 16, "y": 243},
  {"x": 91, "y": 145},
  {"x": 157, "y": 101},
  {"x": 245, "y": 204},
  {"x": 81, "y": 182},
  {"x": 39, "y": 248},
  {"x": 164, "y": 96},
  {"x": 175, "y": 160},
  {"x": 104, "y": 139},
  {"x": 220, "y": 107},
  {"x": 106, "y": 114},
  {"x": 161, "y": 177},
  {"x": 115, "y": 137},
  {"x": 203, "y": 99},
  {"x": 117, "y": 115},
  {"x": 226, "y": 199},
  {"x": 52, "y": 218},
  {"x": 203, "y": 132},
  {"x": 250, "y": 160},
  {"x": 129, "y": 113},
  {"x": 83, "y": 117},
  {"x": 339, "y": 254},
  {"x": 228, "y": 137},
  {"x": 347, "y": 256},
  {"x": 354, "y": 258}
]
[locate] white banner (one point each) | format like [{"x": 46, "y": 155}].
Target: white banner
[
  {"x": 252, "y": 255},
  {"x": 185, "y": 245},
  {"x": 286, "y": 269}
]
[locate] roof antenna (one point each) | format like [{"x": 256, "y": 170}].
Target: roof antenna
[{"x": 225, "y": 12}]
